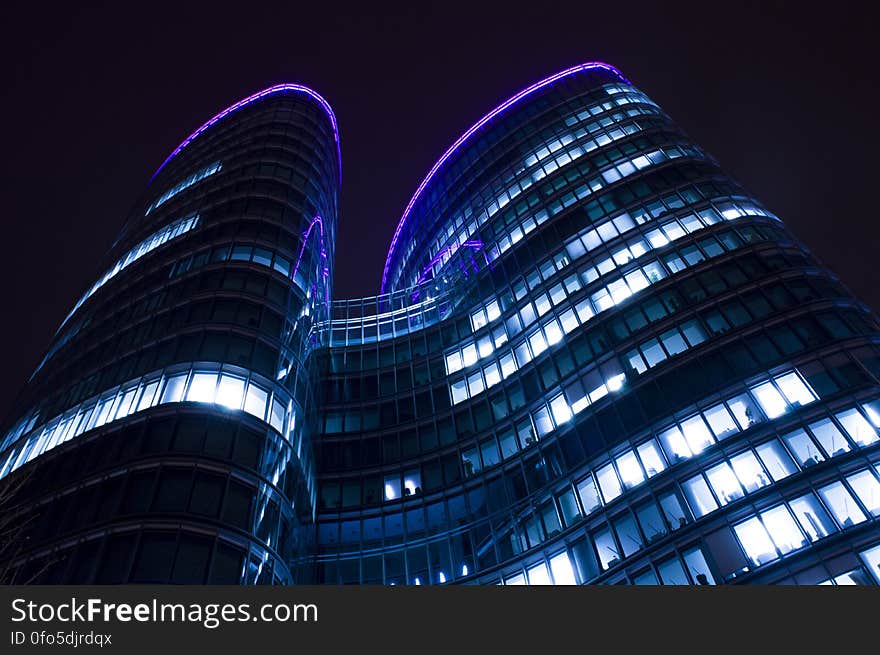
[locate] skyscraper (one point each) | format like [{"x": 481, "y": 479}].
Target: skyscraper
[{"x": 594, "y": 358}]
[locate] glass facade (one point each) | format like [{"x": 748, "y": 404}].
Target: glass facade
[{"x": 594, "y": 359}]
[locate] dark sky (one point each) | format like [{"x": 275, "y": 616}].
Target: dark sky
[{"x": 93, "y": 99}]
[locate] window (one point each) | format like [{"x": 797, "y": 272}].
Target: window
[
  {"x": 720, "y": 421},
  {"x": 174, "y": 388},
  {"x": 783, "y": 530},
  {"x": 794, "y": 389},
  {"x": 857, "y": 427},
  {"x": 255, "y": 401},
  {"x": 608, "y": 483},
  {"x": 803, "y": 448},
  {"x": 699, "y": 497},
  {"x": 392, "y": 487},
  {"x": 842, "y": 504},
  {"x": 629, "y": 469},
  {"x": 749, "y": 471},
  {"x": 560, "y": 567},
  {"x": 755, "y": 541},
  {"x": 230, "y": 392},
  {"x": 606, "y": 548},
  {"x": 724, "y": 483},
  {"x": 674, "y": 444},
  {"x": 651, "y": 522},
  {"x": 865, "y": 484},
  {"x": 671, "y": 573},
  {"x": 696, "y": 434},
  {"x": 871, "y": 557},
  {"x": 589, "y": 495},
  {"x": 745, "y": 411},
  {"x": 673, "y": 510},
  {"x": 812, "y": 517},
  {"x": 538, "y": 575},
  {"x": 829, "y": 437},
  {"x": 770, "y": 399},
  {"x": 652, "y": 460},
  {"x": 459, "y": 391},
  {"x": 627, "y": 534},
  {"x": 776, "y": 460},
  {"x": 698, "y": 567}
]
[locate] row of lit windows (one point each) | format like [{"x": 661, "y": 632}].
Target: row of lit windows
[
  {"x": 540, "y": 303},
  {"x": 229, "y": 390},
  {"x": 538, "y": 166},
  {"x": 552, "y": 331},
  {"x": 591, "y": 239},
  {"x": 184, "y": 184},
  {"x": 146, "y": 246},
  {"x": 752, "y": 469},
  {"x": 627, "y": 533},
  {"x": 504, "y": 243},
  {"x": 456, "y": 226},
  {"x": 774, "y": 397},
  {"x": 679, "y": 442}
]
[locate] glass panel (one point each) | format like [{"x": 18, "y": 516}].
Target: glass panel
[
  {"x": 608, "y": 483},
  {"x": 698, "y": 567},
  {"x": 651, "y": 522},
  {"x": 146, "y": 399},
  {"x": 606, "y": 548},
  {"x": 865, "y": 484},
  {"x": 829, "y": 437},
  {"x": 770, "y": 399},
  {"x": 589, "y": 495},
  {"x": 794, "y": 389},
  {"x": 724, "y": 483},
  {"x": 671, "y": 573},
  {"x": 699, "y": 497},
  {"x": 629, "y": 469},
  {"x": 628, "y": 534},
  {"x": 871, "y": 557},
  {"x": 538, "y": 575},
  {"x": 652, "y": 460},
  {"x": 842, "y": 505},
  {"x": 802, "y": 447},
  {"x": 673, "y": 510},
  {"x": 776, "y": 459},
  {"x": 560, "y": 567},
  {"x": 675, "y": 445},
  {"x": 812, "y": 516},
  {"x": 697, "y": 434},
  {"x": 255, "y": 401},
  {"x": 202, "y": 388},
  {"x": 230, "y": 391},
  {"x": 783, "y": 530},
  {"x": 755, "y": 541},
  {"x": 749, "y": 471},
  {"x": 745, "y": 411},
  {"x": 174, "y": 388},
  {"x": 720, "y": 421},
  {"x": 857, "y": 427}
]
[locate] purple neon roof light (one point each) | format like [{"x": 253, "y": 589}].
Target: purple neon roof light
[
  {"x": 479, "y": 124},
  {"x": 272, "y": 90}
]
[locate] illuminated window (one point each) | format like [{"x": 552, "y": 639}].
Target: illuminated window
[
  {"x": 842, "y": 505},
  {"x": 770, "y": 399}
]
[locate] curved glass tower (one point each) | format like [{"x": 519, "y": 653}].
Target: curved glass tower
[
  {"x": 595, "y": 358},
  {"x": 167, "y": 434}
]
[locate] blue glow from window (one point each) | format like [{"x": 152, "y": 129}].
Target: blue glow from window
[{"x": 198, "y": 176}]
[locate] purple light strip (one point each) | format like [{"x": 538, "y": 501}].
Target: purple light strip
[
  {"x": 464, "y": 137},
  {"x": 278, "y": 88},
  {"x": 476, "y": 244},
  {"x": 316, "y": 219}
]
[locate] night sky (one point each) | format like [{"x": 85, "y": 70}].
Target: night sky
[{"x": 94, "y": 99}]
